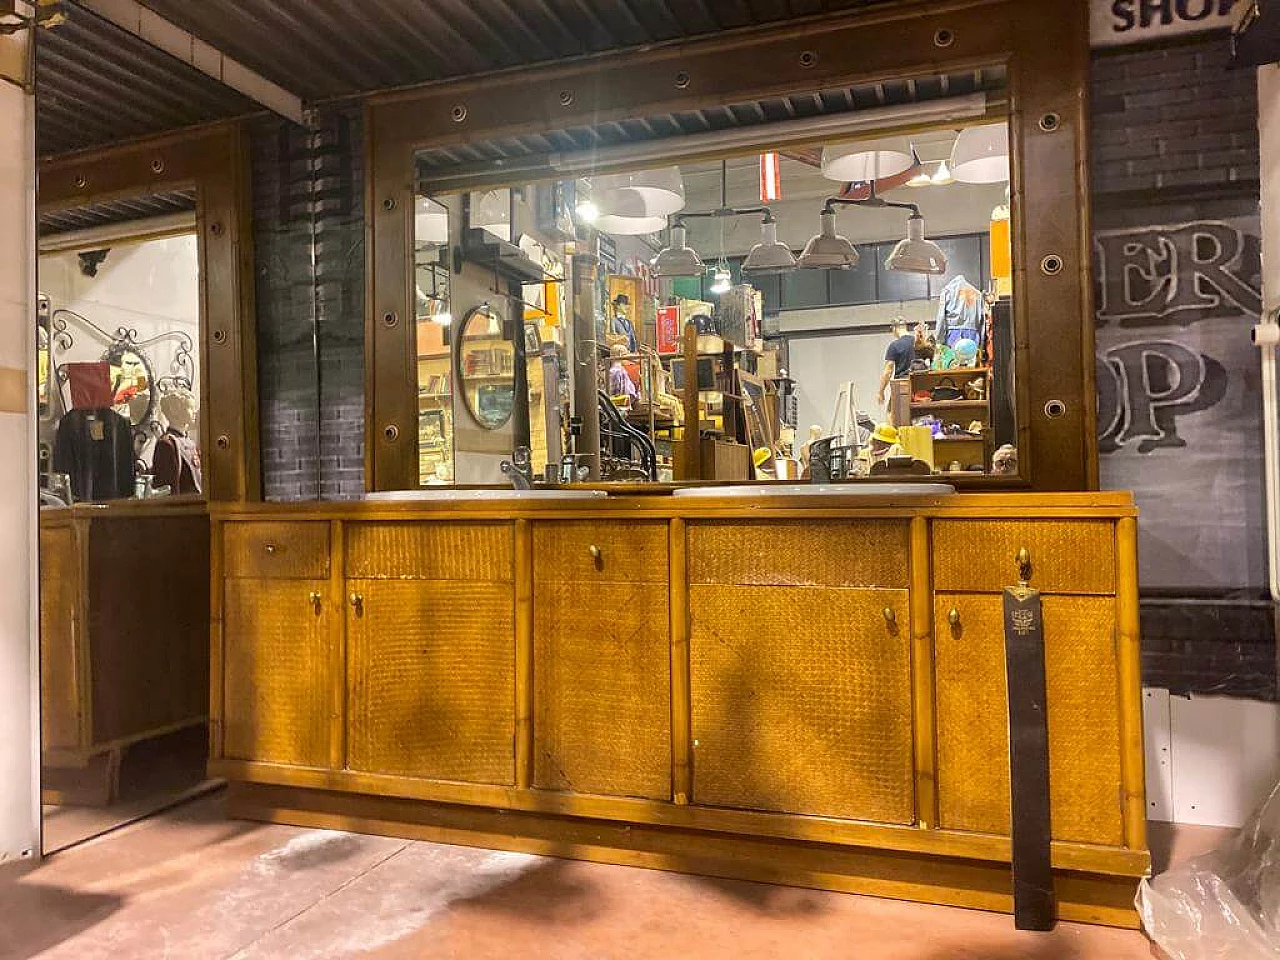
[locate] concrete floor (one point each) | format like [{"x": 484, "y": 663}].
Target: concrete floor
[{"x": 190, "y": 885}]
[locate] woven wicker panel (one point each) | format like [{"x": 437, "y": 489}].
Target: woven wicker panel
[
  {"x": 801, "y": 701},
  {"x": 276, "y": 550},
  {"x": 829, "y": 553},
  {"x": 59, "y": 683},
  {"x": 630, "y": 550},
  {"x": 432, "y": 680},
  {"x": 1067, "y": 556},
  {"x": 433, "y": 550},
  {"x": 278, "y": 678},
  {"x": 1084, "y": 724},
  {"x": 602, "y": 689}
]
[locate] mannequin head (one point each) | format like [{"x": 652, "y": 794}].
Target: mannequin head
[
  {"x": 179, "y": 409},
  {"x": 618, "y": 352}
]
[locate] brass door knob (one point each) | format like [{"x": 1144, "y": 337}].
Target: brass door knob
[
  {"x": 953, "y": 617},
  {"x": 357, "y": 601},
  {"x": 315, "y": 601},
  {"x": 271, "y": 548},
  {"x": 889, "y": 615},
  {"x": 595, "y": 552}
]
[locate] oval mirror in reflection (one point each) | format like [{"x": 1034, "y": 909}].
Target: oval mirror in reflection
[
  {"x": 131, "y": 393},
  {"x": 486, "y": 367}
]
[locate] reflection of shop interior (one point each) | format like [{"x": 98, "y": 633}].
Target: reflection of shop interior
[
  {"x": 779, "y": 275},
  {"x": 124, "y": 592}
]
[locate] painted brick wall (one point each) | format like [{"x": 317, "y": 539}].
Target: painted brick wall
[
  {"x": 1175, "y": 141},
  {"x": 309, "y": 248},
  {"x": 1174, "y": 118}
]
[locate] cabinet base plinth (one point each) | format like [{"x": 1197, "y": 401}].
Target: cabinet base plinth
[{"x": 1082, "y": 896}]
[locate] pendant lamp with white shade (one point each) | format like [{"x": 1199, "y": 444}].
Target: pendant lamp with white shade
[
  {"x": 640, "y": 193},
  {"x": 430, "y": 222},
  {"x": 867, "y": 161},
  {"x": 981, "y": 154}
]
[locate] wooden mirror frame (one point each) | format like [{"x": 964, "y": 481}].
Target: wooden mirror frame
[
  {"x": 1044, "y": 45},
  {"x": 215, "y": 161}
]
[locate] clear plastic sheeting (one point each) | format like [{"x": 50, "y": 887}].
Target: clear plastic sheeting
[{"x": 1224, "y": 905}]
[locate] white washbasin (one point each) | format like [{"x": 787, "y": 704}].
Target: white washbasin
[
  {"x": 850, "y": 491},
  {"x": 505, "y": 493}
]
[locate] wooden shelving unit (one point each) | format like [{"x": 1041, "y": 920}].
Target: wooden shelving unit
[{"x": 967, "y": 449}]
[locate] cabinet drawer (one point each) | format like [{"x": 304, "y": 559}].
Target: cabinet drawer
[
  {"x": 600, "y": 550},
  {"x": 1067, "y": 556},
  {"x": 828, "y": 553},
  {"x": 289, "y": 551},
  {"x": 433, "y": 550}
]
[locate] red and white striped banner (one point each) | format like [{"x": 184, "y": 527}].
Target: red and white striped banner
[{"x": 770, "y": 178}]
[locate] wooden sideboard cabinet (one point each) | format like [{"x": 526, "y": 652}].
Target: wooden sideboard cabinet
[
  {"x": 124, "y": 610},
  {"x": 799, "y": 691}
]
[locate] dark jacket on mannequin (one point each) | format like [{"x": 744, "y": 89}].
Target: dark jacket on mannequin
[{"x": 95, "y": 448}]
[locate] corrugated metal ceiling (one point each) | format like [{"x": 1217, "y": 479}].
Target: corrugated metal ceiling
[
  {"x": 457, "y": 159},
  {"x": 328, "y": 48},
  {"x": 96, "y": 84},
  {"x": 117, "y": 211}
]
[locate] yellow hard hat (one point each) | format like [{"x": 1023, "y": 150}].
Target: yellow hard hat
[{"x": 885, "y": 434}]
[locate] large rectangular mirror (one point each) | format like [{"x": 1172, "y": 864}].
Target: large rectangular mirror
[
  {"x": 124, "y": 532},
  {"x": 845, "y": 289}
]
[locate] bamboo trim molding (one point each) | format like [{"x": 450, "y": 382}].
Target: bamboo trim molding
[{"x": 1043, "y": 44}]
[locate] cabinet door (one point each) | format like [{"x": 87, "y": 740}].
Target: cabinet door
[
  {"x": 432, "y": 679},
  {"x": 602, "y": 658},
  {"x": 1084, "y": 722},
  {"x": 279, "y": 662},
  {"x": 61, "y": 691},
  {"x": 801, "y": 700},
  {"x": 602, "y": 681}
]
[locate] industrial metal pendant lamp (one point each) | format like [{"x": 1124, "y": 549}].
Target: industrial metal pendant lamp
[
  {"x": 770, "y": 255},
  {"x": 915, "y": 254},
  {"x": 678, "y": 259},
  {"x": 826, "y": 250}
]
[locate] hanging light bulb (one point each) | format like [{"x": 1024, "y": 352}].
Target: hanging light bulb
[
  {"x": 921, "y": 179},
  {"x": 587, "y": 211},
  {"x": 942, "y": 176},
  {"x": 723, "y": 279}
]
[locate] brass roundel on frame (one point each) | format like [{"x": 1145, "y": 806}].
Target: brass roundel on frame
[
  {"x": 390, "y": 319},
  {"x": 1051, "y": 265},
  {"x": 808, "y": 59},
  {"x": 682, "y": 80},
  {"x": 944, "y": 38},
  {"x": 391, "y": 432},
  {"x": 223, "y": 442},
  {"x": 1050, "y": 121},
  {"x": 157, "y": 165},
  {"x": 1055, "y": 409},
  {"x": 458, "y": 113},
  {"x": 219, "y": 336}
]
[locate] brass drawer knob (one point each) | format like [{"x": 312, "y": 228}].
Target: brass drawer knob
[
  {"x": 270, "y": 548},
  {"x": 1024, "y": 564},
  {"x": 953, "y": 617},
  {"x": 357, "y": 601},
  {"x": 315, "y": 601},
  {"x": 595, "y": 553},
  {"x": 889, "y": 615}
]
